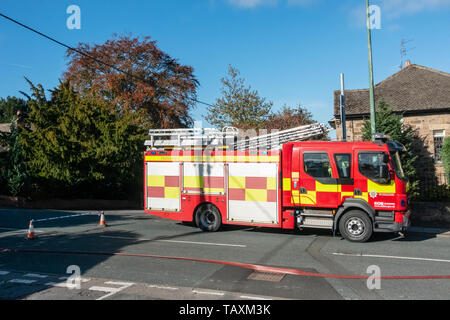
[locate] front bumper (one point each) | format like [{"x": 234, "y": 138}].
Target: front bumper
[{"x": 401, "y": 223}]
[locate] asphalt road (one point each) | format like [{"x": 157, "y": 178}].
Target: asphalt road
[{"x": 138, "y": 256}]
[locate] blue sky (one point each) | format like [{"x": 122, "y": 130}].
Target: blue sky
[{"x": 291, "y": 51}]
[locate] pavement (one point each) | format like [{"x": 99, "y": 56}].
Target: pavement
[
  {"x": 141, "y": 257},
  {"x": 439, "y": 232}
]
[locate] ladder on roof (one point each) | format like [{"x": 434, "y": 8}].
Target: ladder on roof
[
  {"x": 229, "y": 138},
  {"x": 276, "y": 139},
  {"x": 190, "y": 138}
]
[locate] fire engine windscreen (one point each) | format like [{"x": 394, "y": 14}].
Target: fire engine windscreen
[{"x": 397, "y": 163}]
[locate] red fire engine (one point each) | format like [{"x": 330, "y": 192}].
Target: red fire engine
[{"x": 351, "y": 188}]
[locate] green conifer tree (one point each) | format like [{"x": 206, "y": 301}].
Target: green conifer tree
[
  {"x": 389, "y": 123},
  {"x": 82, "y": 146}
]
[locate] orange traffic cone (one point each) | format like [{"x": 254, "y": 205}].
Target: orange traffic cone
[
  {"x": 31, "y": 234},
  {"x": 102, "y": 219}
]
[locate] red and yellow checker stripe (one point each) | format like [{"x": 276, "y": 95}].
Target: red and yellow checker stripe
[
  {"x": 163, "y": 187},
  {"x": 203, "y": 184},
  {"x": 213, "y": 156},
  {"x": 256, "y": 189}
]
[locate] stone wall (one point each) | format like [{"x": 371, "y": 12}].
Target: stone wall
[{"x": 435, "y": 212}]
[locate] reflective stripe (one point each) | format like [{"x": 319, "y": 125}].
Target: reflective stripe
[
  {"x": 272, "y": 183},
  {"x": 256, "y": 195},
  {"x": 309, "y": 198},
  {"x": 263, "y": 159},
  {"x": 380, "y": 188},
  {"x": 236, "y": 182},
  {"x": 287, "y": 184},
  {"x": 203, "y": 182},
  {"x": 326, "y": 187},
  {"x": 172, "y": 193},
  {"x": 156, "y": 181}
]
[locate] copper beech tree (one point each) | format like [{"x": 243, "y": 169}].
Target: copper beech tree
[{"x": 133, "y": 74}]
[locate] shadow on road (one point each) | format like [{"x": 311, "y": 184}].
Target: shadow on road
[
  {"x": 377, "y": 237},
  {"x": 23, "y": 259}
]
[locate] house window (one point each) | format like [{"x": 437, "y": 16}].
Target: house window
[{"x": 438, "y": 137}]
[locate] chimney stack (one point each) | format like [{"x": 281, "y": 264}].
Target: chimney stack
[{"x": 407, "y": 63}]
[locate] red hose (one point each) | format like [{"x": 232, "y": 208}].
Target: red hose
[{"x": 254, "y": 267}]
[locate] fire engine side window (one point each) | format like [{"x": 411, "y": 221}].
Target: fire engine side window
[
  {"x": 343, "y": 164},
  {"x": 371, "y": 164},
  {"x": 317, "y": 165}
]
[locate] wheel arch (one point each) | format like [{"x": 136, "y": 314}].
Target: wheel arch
[
  {"x": 194, "y": 213},
  {"x": 353, "y": 204}
]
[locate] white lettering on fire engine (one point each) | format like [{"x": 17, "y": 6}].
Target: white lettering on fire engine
[{"x": 384, "y": 204}]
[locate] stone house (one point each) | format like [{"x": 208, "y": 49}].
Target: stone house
[
  {"x": 420, "y": 94},
  {"x": 4, "y": 128}
]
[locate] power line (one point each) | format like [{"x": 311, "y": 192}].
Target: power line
[{"x": 93, "y": 58}]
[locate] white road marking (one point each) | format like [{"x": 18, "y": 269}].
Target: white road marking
[
  {"x": 84, "y": 280},
  {"x": 116, "y": 283},
  {"x": 205, "y": 243},
  {"x": 111, "y": 291},
  {"x": 254, "y": 298},
  {"x": 22, "y": 281},
  {"x": 162, "y": 287},
  {"x": 4, "y": 273},
  {"x": 388, "y": 257},
  {"x": 180, "y": 241},
  {"x": 55, "y": 284},
  {"x": 35, "y": 275},
  {"x": 210, "y": 293},
  {"x": 104, "y": 289}
]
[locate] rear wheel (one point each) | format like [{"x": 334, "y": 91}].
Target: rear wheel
[
  {"x": 208, "y": 218},
  {"x": 356, "y": 226}
]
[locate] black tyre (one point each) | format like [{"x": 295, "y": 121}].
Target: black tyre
[
  {"x": 208, "y": 218},
  {"x": 356, "y": 226}
]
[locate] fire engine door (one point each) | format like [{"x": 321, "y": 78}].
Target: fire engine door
[{"x": 318, "y": 184}]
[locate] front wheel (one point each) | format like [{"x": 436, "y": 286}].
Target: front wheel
[
  {"x": 208, "y": 218},
  {"x": 356, "y": 226}
]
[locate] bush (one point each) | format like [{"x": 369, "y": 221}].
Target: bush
[{"x": 446, "y": 157}]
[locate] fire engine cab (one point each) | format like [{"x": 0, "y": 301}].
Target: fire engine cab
[{"x": 212, "y": 178}]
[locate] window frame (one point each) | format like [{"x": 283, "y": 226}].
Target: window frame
[
  {"x": 438, "y": 157},
  {"x": 329, "y": 161},
  {"x": 337, "y": 166},
  {"x": 376, "y": 180}
]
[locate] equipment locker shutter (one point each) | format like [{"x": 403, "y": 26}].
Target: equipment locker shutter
[
  {"x": 203, "y": 178},
  {"x": 163, "y": 186},
  {"x": 252, "y": 192}
]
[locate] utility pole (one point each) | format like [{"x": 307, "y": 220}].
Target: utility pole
[
  {"x": 342, "y": 110},
  {"x": 371, "y": 90}
]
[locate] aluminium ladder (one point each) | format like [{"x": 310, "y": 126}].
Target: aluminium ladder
[{"x": 229, "y": 138}]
